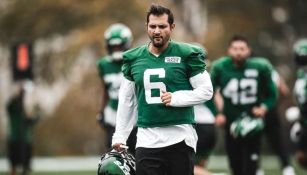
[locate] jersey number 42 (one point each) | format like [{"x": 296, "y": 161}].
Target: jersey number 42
[{"x": 243, "y": 91}]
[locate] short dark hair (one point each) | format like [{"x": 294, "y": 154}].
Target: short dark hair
[
  {"x": 158, "y": 10},
  {"x": 238, "y": 37}
]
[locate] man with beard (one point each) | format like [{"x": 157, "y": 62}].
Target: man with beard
[
  {"x": 248, "y": 92},
  {"x": 163, "y": 80}
]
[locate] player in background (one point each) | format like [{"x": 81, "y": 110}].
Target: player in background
[
  {"x": 23, "y": 113},
  {"x": 273, "y": 128},
  {"x": 118, "y": 38},
  {"x": 163, "y": 80},
  {"x": 248, "y": 92},
  {"x": 299, "y": 129}
]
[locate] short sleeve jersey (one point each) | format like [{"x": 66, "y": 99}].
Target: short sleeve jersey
[
  {"x": 300, "y": 91},
  {"x": 170, "y": 71},
  {"x": 243, "y": 88},
  {"x": 110, "y": 73}
]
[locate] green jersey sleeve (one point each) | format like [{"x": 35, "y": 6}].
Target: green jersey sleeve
[
  {"x": 127, "y": 61},
  {"x": 126, "y": 69},
  {"x": 196, "y": 61}
]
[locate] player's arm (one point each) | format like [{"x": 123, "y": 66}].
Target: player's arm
[
  {"x": 104, "y": 97},
  {"x": 271, "y": 91},
  {"x": 217, "y": 101},
  {"x": 270, "y": 83},
  {"x": 103, "y": 103},
  {"x": 199, "y": 80},
  {"x": 282, "y": 87},
  {"x": 127, "y": 107},
  {"x": 202, "y": 91},
  {"x": 126, "y": 113}
]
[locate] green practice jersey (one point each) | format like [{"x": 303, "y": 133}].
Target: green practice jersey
[
  {"x": 245, "y": 87},
  {"x": 300, "y": 91},
  {"x": 110, "y": 73},
  {"x": 170, "y": 71},
  {"x": 20, "y": 127}
]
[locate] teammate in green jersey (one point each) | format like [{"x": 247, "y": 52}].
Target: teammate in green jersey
[
  {"x": 21, "y": 118},
  {"x": 163, "y": 80},
  {"x": 118, "y": 38},
  {"x": 299, "y": 130},
  {"x": 273, "y": 127},
  {"x": 248, "y": 93}
]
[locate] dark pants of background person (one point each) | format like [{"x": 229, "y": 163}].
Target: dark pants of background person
[
  {"x": 19, "y": 154},
  {"x": 243, "y": 153},
  {"x": 206, "y": 140},
  {"x": 273, "y": 131},
  {"x": 175, "y": 159},
  {"x": 131, "y": 142}
]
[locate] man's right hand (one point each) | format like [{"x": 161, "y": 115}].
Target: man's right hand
[{"x": 119, "y": 147}]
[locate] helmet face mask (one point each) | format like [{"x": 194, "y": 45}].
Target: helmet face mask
[
  {"x": 300, "y": 52},
  {"x": 116, "y": 163},
  {"x": 118, "y": 38}
]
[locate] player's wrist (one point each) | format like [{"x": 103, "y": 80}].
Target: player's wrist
[
  {"x": 264, "y": 106},
  {"x": 219, "y": 112}
]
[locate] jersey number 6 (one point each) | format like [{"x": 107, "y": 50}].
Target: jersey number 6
[{"x": 149, "y": 86}]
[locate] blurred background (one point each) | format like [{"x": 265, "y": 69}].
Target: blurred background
[{"x": 66, "y": 39}]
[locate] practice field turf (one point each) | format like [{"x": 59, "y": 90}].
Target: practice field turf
[{"x": 87, "y": 166}]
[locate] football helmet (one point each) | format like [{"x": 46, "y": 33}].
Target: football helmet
[
  {"x": 300, "y": 52},
  {"x": 246, "y": 126},
  {"x": 118, "y": 38},
  {"x": 116, "y": 163}
]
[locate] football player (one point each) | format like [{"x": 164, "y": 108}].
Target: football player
[
  {"x": 118, "y": 38},
  {"x": 163, "y": 80},
  {"x": 300, "y": 91},
  {"x": 248, "y": 92},
  {"x": 273, "y": 128}
]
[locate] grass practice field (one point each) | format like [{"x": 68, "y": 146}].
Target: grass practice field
[{"x": 87, "y": 166}]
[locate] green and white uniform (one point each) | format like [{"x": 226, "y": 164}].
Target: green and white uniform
[
  {"x": 245, "y": 87},
  {"x": 110, "y": 73},
  {"x": 180, "y": 69}
]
